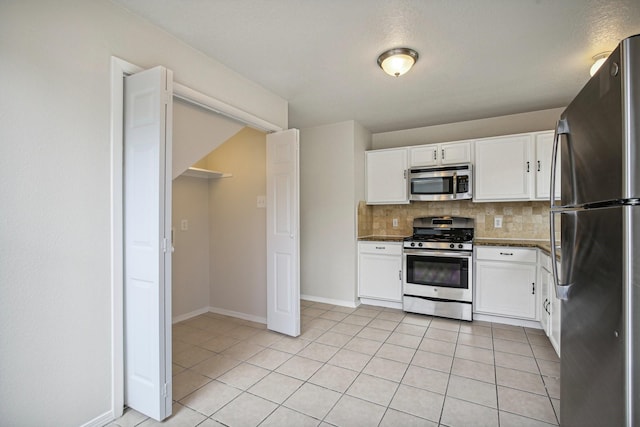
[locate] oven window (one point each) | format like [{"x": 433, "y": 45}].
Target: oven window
[
  {"x": 438, "y": 271},
  {"x": 428, "y": 186}
]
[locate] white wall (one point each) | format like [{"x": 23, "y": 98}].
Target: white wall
[
  {"x": 55, "y": 267},
  {"x": 190, "y": 263},
  {"x": 494, "y": 126},
  {"x": 238, "y": 246},
  {"x": 331, "y": 183}
]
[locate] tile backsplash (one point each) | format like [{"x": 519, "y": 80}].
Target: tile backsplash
[{"x": 520, "y": 220}]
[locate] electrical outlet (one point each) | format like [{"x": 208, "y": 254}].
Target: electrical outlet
[
  {"x": 261, "y": 201},
  {"x": 184, "y": 225},
  {"x": 497, "y": 222},
  {"x": 395, "y": 222}
]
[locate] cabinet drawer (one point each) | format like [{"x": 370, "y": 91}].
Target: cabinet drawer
[
  {"x": 505, "y": 253},
  {"x": 387, "y": 248}
]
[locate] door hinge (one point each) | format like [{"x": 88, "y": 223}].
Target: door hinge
[
  {"x": 165, "y": 390},
  {"x": 533, "y": 288},
  {"x": 164, "y": 244}
]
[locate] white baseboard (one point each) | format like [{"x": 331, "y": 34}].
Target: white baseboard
[
  {"x": 507, "y": 321},
  {"x": 381, "y": 303},
  {"x": 189, "y": 315},
  {"x": 100, "y": 420},
  {"x": 238, "y": 314},
  {"x": 343, "y": 303}
]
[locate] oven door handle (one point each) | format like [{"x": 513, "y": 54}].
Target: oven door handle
[{"x": 430, "y": 252}]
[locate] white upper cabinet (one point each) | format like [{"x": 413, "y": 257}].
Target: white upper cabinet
[
  {"x": 441, "y": 154},
  {"x": 386, "y": 176},
  {"x": 504, "y": 168},
  {"x": 544, "y": 147}
]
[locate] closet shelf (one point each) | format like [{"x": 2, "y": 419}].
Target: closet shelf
[{"x": 205, "y": 173}]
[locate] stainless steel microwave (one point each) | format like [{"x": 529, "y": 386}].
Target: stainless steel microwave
[{"x": 451, "y": 182}]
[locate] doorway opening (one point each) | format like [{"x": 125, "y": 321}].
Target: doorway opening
[{"x": 121, "y": 69}]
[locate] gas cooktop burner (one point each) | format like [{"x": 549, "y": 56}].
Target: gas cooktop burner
[{"x": 452, "y": 233}]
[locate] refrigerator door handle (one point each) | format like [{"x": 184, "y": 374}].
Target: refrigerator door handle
[
  {"x": 562, "y": 128},
  {"x": 562, "y": 291}
]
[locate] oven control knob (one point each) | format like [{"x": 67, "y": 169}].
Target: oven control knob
[
  {"x": 452, "y": 246},
  {"x": 412, "y": 244},
  {"x": 460, "y": 246},
  {"x": 420, "y": 244}
]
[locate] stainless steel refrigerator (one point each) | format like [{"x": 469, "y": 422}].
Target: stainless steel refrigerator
[{"x": 598, "y": 139}]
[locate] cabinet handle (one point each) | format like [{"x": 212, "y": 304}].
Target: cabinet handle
[
  {"x": 528, "y": 166},
  {"x": 443, "y": 154},
  {"x": 538, "y": 165},
  {"x": 435, "y": 154},
  {"x": 533, "y": 289},
  {"x": 400, "y": 275},
  {"x": 380, "y": 247},
  {"x": 506, "y": 253}
]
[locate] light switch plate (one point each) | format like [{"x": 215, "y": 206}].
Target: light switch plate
[
  {"x": 184, "y": 225},
  {"x": 497, "y": 222},
  {"x": 262, "y": 201}
]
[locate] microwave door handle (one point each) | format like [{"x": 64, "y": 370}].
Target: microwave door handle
[{"x": 455, "y": 184}]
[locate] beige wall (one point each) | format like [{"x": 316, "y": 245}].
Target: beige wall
[
  {"x": 331, "y": 183},
  {"x": 196, "y": 133},
  {"x": 190, "y": 263},
  {"x": 494, "y": 126},
  {"x": 237, "y": 227},
  {"x": 55, "y": 227}
]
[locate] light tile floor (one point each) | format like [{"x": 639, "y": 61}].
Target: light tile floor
[{"x": 365, "y": 366}]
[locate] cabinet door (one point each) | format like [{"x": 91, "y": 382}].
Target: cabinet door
[
  {"x": 379, "y": 276},
  {"x": 503, "y": 168},
  {"x": 506, "y": 289},
  {"x": 555, "y": 323},
  {"x": 426, "y": 155},
  {"x": 544, "y": 146},
  {"x": 386, "y": 176},
  {"x": 544, "y": 284},
  {"x": 455, "y": 152}
]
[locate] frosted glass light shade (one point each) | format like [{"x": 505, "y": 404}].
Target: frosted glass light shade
[
  {"x": 599, "y": 60},
  {"x": 398, "y": 61}
]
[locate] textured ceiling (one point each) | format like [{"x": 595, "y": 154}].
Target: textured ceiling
[{"x": 477, "y": 58}]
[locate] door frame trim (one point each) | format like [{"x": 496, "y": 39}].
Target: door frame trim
[{"x": 119, "y": 69}]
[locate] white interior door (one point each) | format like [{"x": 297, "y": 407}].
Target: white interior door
[
  {"x": 283, "y": 237},
  {"x": 147, "y": 254}
]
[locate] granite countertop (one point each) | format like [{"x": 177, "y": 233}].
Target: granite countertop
[
  {"x": 526, "y": 243},
  {"x": 381, "y": 238}
]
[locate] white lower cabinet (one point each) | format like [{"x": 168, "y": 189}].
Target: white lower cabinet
[
  {"x": 380, "y": 271},
  {"x": 545, "y": 279},
  {"x": 550, "y": 306},
  {"x": 506, "y": 282}
]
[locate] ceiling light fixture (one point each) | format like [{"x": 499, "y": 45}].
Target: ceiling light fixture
[
  {"x": 599, "y": 60},
  {"x": 397, "y": 61}
]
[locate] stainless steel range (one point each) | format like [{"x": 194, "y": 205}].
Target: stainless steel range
[{"x": 438, "y": 267}]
